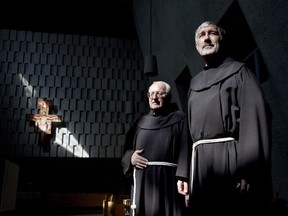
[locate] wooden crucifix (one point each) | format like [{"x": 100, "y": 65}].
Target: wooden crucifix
[{"x": 43, "y": 121}]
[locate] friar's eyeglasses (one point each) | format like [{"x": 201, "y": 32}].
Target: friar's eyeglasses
[{"x": 156, "y": 94}]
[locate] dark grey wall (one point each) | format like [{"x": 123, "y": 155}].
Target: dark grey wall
[
  {"x": 174, "y": 23},
  {"x": 90, "y": 80},
  {"x": 98, "y": 87}
]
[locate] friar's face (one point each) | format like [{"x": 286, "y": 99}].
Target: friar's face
[
  {"x": 208, "y": 40},
  {"x": 157, "y": 96}
]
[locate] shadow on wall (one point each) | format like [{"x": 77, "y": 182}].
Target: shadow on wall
[{"x": 245, "y": 49}]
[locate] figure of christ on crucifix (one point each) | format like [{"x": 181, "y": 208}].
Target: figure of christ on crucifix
[{"x": 43, "y": 121}]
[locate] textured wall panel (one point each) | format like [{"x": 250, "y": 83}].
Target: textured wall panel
[{"x": 89, "y": 79}]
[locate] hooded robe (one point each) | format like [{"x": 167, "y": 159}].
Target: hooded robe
[
  {"x": 226, "y": 100},
  {"x": 164, "y": 137}
]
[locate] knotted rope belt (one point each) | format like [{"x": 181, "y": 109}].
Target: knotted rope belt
[
  {"x": 150, "y": 163},
  {"x": 204, "y": 141}
]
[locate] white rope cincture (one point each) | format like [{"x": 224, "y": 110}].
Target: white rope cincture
[
  {"x": 150, "y": 163},
  {"x": 161, "y": 163},
  {"x": 133, "y": 206},
  {"x": 204, "y": 141}
]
